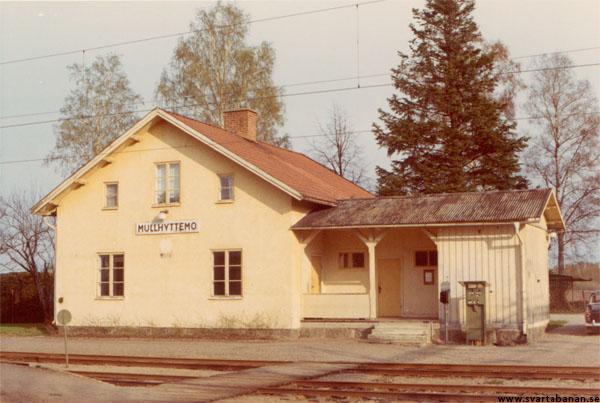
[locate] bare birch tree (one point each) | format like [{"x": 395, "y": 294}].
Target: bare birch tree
[
  {"x": 336, "y": 147},
  {"x": 95, "y": 112},
  {"x": 27, "y": 244},
  {"x": 564, "y": 152},
  {"x": 213, "y": 69}
]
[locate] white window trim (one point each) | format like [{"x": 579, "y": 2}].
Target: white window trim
[
  {"x": 226, "y": 280},
  {"x": 351, "y": 266},
  {"x": 106, "y": 206},
  {"x": 167, "y": 203},
  {"x": 110, "y": 276},
  {"x": 232, "y": 176}
]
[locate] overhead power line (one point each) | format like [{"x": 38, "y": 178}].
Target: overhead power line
[
  {"x": 558, "y": 51},
  {"x": 11, "y": 162},
  {"x": 40, "y": 122},
  {"x": 304, "y": 83},
  {"x": 177, "y": 34}
]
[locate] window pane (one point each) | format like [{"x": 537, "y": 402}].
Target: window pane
[
  {"x": 235, "y": 258},
  {"x": 118, "y": 261},
  {"x": 219, "y": 273},
  {"x": 104, "y": 288},
  {"x": 235, "y": 288},
  {"x": 104, "y": 261},
  {"x": 111, "y": 194},
  {"x": 226, "y": 187},
  {"x": 219, "y": 258},
  {"x": 161, "y": 184},
  {"x": 358, "y": 260},
  {"x": 226, "y": 181},
  {"x": 219, "y": 288},
  {"x": 174, "y": 183},
  {"x": 421, "y": 258},
  {"x": 117, "y": 275},
  {"x": 344, "y": 260},
  {"x": 433, "y": 258},
  {"x": 226, "y": 194},
  {"x": 235, "y": 273},
  {"x": 118, "y": 289},
  {"x": 104, "y": 275}
]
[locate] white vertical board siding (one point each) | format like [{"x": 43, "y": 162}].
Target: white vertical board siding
[
  {"x": 485, "y": 253},
  {"x": 536, "y": 253}
]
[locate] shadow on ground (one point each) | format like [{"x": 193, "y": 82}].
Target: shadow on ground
[{"x": 572, "y": 330}]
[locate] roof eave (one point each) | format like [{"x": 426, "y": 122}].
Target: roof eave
[
  {"x": 40, "y": 206},
  {"x": 448, "y": 224}
]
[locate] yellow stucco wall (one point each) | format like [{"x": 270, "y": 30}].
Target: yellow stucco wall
[{"x": 176, "y": 290}]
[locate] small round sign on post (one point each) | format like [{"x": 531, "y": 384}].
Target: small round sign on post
[{"x": 64, "y": 318}]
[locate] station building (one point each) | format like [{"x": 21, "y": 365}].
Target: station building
[{"x": 180, "y": 224}]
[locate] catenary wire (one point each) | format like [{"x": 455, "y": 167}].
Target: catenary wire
[
  {"x": 177, "y": 34},
  {"x": 10, "y": 162},
  {"x": 273, "y": 96}
]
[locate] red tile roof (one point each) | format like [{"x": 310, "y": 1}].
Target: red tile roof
[
  {"x": 446, "y": 208},
  {"x": 311, "y": 179}
]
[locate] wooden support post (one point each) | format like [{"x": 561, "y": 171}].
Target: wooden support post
[
  {"x": 371, "y": 240},
  {"x": 372, "y": 281}
]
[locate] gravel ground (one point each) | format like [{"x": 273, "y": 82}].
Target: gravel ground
[{"x": 555, "y": 349}]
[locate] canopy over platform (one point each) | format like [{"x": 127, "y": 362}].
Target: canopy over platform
[{"x": 439, "y": 209}]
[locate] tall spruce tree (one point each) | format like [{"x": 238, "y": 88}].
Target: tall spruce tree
[{"x": 449, "y": 126}]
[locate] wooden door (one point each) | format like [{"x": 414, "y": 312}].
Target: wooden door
[
  {"x": 389, "y": 297},
  {"x": 315, "y": 275}
]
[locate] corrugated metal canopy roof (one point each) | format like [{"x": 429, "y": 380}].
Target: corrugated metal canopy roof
[{"x": 446, "y": 208}]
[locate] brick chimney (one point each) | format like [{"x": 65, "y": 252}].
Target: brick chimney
[{"x": 241, "y": 122}]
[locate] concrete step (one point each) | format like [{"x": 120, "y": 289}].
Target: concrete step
[
  {"x": 400, "y": 335},
  {"x": 406, "y": 333},
  {"x": 411, "y": 324}
]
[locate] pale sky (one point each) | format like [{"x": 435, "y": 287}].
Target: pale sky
[{"x": 310, "y": 47}]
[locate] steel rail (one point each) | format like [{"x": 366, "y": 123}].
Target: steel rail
[
  {"x": 488, "y": 371},
  {"x": 137, "y": 361},
  {"x": 410, "y": 387},
  {"x": 410, "y": 396},
  {"x": 474, "y": 367},
  {"x": 124, "y": 378}
]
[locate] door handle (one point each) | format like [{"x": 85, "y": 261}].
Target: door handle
[{"x": 379, "y": 289}]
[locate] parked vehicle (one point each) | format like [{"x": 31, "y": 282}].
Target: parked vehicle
[{"x": 592, "y": 313}]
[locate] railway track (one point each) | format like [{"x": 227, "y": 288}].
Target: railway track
[
  {"x": 136, "y": 361},
  {"x": 129, "y": 379},
  {"x": 487, "y": 371},
  {"x": 334, "y": 389}
]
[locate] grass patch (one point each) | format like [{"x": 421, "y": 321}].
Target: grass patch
[
  {"x": 555, "y": 324},
  {"x": 23, "y": 329}
]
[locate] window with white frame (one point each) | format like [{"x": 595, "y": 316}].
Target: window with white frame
[
  {"x": 352, "y": 260},
  {"x": 226, "y": 182},
  {"x": 112, "y": 195},
  {"x": 227, "y": 273},
  {"x": 167, "y": 187},
  {"x": 111, "y": 282}
]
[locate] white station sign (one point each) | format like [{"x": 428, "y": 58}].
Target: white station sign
[{"x": 166, "y": 227}]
